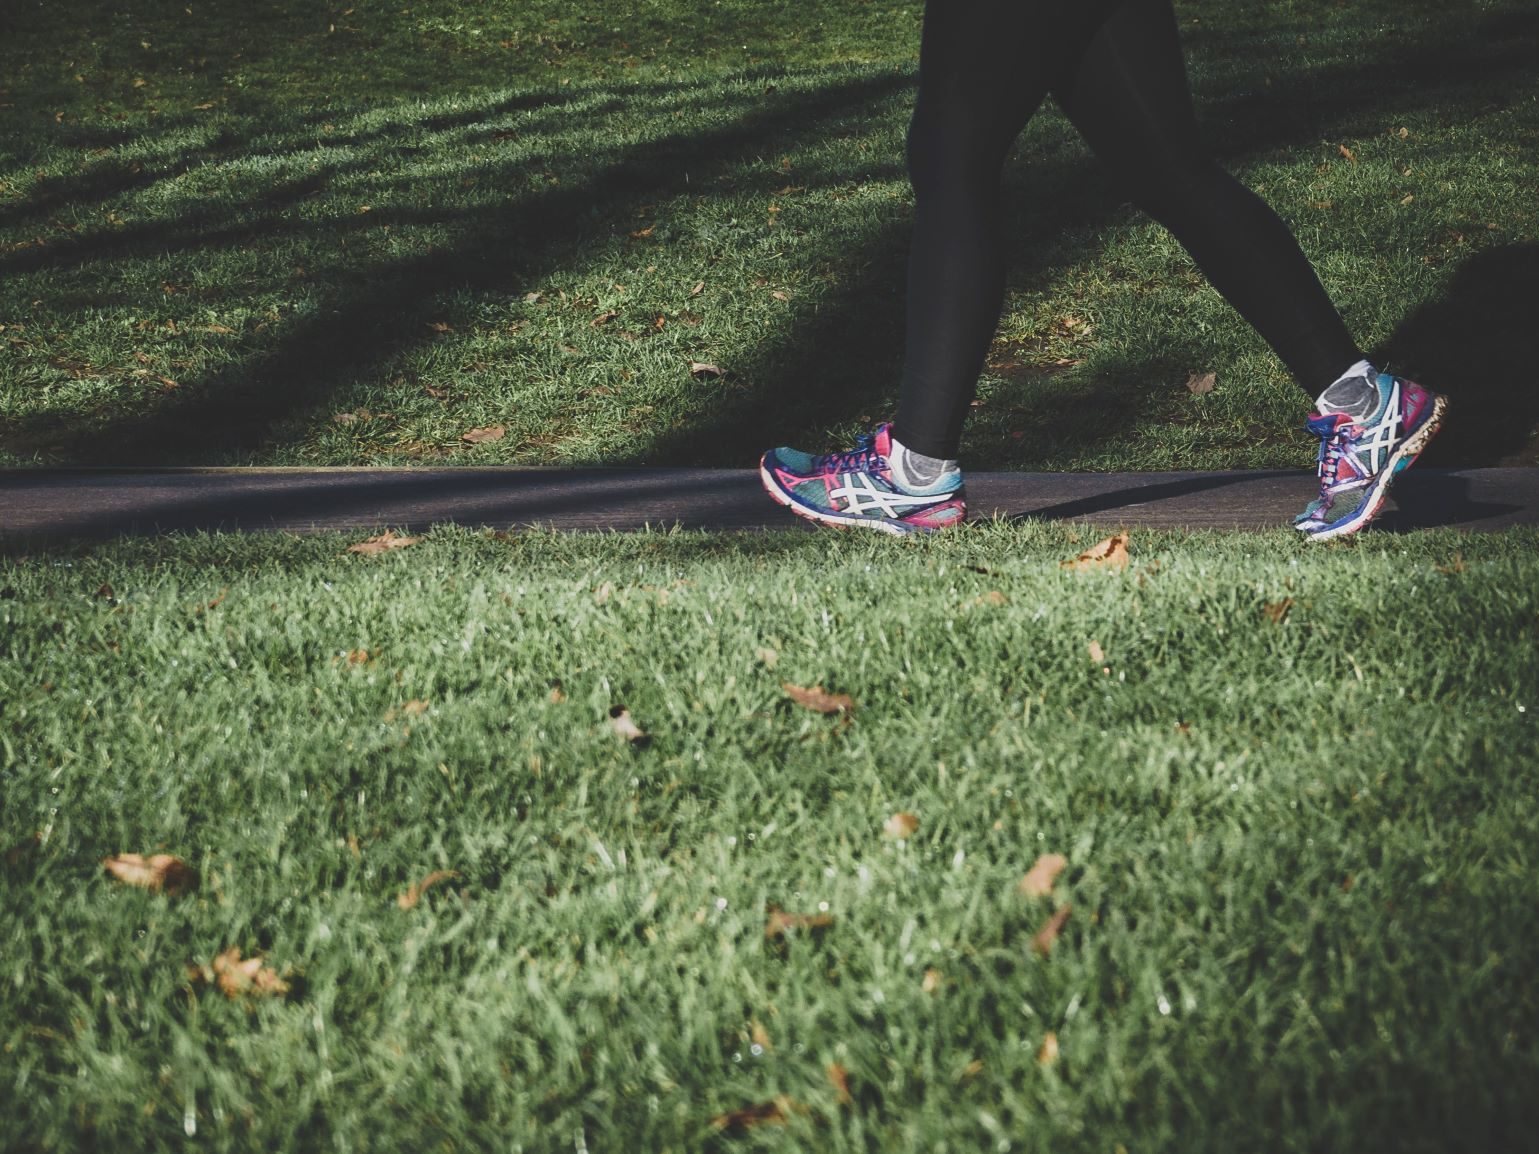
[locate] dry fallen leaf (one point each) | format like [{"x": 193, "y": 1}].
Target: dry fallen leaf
[
  {"x": 704, "y": 369},
  {"x": 1112, "y": 553},
  {"x": 773, "y": 1112},
  {"x": 841, "y": 1080},
  {"x": 440, "y": 326},
  {"x": 1097, "y": 654},
  {"x": 483, "y": 436},
  {"x": 1277, "y": 611},
  {"x": 603, "y": 318},
  {"x": 818, "y": 699},
  {"x": 1042, "y": 941},
  {"x": 1347, "y": 152},
  {"x": 931, "y": 981},
  {"x": 23, "y": 850},
  {"x": 1048, "y": 1054},
  {"x": 698, "y": 289},
  {"x": 1200, "y": 385},
  {"x": 901, "y": 825},
  {"x": 236, "y": 976},
  {"x": 1038, "y": 882},
  {"x": 779, "y": 922},
  {"x": 413, "y": 894},
  {"x": 993, "y": 598},
  {"x": 385, "y": 542},
  {"x": 159, "y": 873},
  {"x": 620, "y": 721}
]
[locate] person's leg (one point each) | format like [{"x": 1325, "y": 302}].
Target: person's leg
[
  {"x": 1129, "y": 99},
  {"x": 983, "y": 70}
]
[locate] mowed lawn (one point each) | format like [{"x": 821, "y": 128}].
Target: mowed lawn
[{"x": 668, "y": 907}]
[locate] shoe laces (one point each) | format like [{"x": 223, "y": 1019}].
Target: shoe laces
[
  {"x": 863, "y": 458},
  {"x": 1335, "y": 440}
]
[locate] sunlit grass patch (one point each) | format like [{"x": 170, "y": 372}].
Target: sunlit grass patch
[{"x": 1293, "y": 788}]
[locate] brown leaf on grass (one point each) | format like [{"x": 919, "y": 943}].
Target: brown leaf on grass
[
  {"x": 932, "y": 980},
  {"x": 1042, "y": 941},
  {"x": 698, "y": 289},
  {"x": 620, "y": 721},
  {"x": 1038, "y": 882},
  {"x": 385, "y": 542},
  {"x": 413, "y": 894},
  {"x": 483, "y": 436},
  {"x": 771, "y": 1113},
  {"x": 705, "y": 369},
  {"x": 1047, "y": 1054},
  {"x": 1277, "y": 611},
  {"x": 993, "y": 598},
  {"x": 1347, "y": 152},
  {"x": 841, "y": 1080},
  {"x": 643, "y": 233},
  {"x": 1200, "y": 385},
  {"x": 236, "y": 976},
  {"x": 780, "y": 295},
  {"x": 818, "y": 699},
  {"x": 779, "y": 922},
  {"x": 23, "y": 850},
  {"x": 603, "y": 318},
  {"x": 158, "y": 873},
  {"x": 1097, "y": 654},
  {"x": 901, "y": 826},
  {"x": 440, "y": 326},
  {"x": 1112, "y": 553}
]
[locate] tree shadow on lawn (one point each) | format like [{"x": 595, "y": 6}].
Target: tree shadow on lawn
[{"x": 838, "y": 363}]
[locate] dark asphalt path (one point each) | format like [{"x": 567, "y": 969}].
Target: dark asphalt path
[{"x": 103, "y": 503}]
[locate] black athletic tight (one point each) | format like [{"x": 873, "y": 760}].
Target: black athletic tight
[{"x": 1115, "y": 68}]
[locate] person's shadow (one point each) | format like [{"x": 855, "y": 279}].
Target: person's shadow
[{"x": 1476, "y": 344}]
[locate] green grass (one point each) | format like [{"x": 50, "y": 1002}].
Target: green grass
[
  {"x": 1305, "y": 897},
  {"x": 289, "y": 235}
]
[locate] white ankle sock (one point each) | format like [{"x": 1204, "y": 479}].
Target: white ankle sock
[{"x": 916, "y": 471}]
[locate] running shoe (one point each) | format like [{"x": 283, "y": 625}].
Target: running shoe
[
  {"x": 857, "y": 488},
  {"x": 1358, "y": 460}
]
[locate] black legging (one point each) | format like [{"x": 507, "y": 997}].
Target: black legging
[{"x": 1116, "y": 70}]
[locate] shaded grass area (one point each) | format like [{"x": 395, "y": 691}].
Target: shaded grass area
[
  {"x": 277, "y": 235},
  {"x": 1295, "y": 790}
]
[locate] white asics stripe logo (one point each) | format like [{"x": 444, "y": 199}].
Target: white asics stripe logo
[
  {"x": 1376, "y": 443},
  {"x": 860, "y": 495}
]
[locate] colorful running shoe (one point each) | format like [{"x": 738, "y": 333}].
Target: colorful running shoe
[
  {"x": 856, "y": 488},
  {"x": 1359, "y": 460}
]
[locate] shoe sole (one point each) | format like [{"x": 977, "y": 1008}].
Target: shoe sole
[
  {"x": 892, "y": 527},
  {"x": 1404, "y": 458}
]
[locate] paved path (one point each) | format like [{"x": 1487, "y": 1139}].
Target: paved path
[{"x": 99, "y": 503}]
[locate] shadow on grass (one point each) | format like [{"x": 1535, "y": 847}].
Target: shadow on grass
[{"x": 784, "y": 393}]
